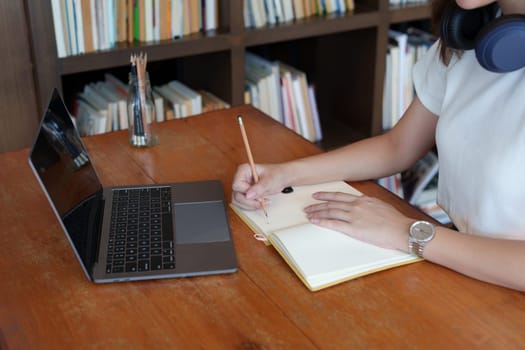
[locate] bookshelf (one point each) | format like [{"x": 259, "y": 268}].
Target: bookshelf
[{"x": 342, "y": 55}]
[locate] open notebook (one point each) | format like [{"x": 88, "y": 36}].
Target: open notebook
[{"x": 320, "y": 257}]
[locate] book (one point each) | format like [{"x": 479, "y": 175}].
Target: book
[
  {"x": 90, "y": 121},
  {"x": 188, "y": 94},
  {"x": 270, "y": 71},
  {"x": 177, "y": 12},
  {"x": 71, "y": 29},
  {"x": 94, "y": 24},
  {"x": 416, "y": 179},
  {"x": 398, "y": 51},
  {"x": 315, "y": 113},
  {"x": 158, "y": 101},
  {"x": 209, "y": 14},
  {"x": 298, "y": 113},
  {"x": 288, "y": 14},
  {"x": 387, "y": 92},
  {"x": 279, "y": 15},
  {"x": 86, "y": 23},
  {"x": 319, "y": 256},
  {"x": 59, "y": 28},
  {"x": 393, "y": 183},
  {"x": 101, "y": 105},
  {"x": 289, "y": 105},
  {"x": 117, "y": 105},
  {"x": 269, "y": 9},
  {"x": 261, "y": 78},
  {"x": 180, "y": 107},
  {"x": 421, "y": 186},
  {"x": 211, "y": 102}
]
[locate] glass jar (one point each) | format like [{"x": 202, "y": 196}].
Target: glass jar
[{"x": 141, "y": 113}]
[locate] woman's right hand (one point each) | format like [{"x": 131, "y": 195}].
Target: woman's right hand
[{"x": 247, "y": 194}]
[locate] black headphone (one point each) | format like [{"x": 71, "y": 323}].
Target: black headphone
[{"x": 499, "y": 41}]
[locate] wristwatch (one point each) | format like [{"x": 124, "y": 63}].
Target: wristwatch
[{"x": 420, "y": 233}]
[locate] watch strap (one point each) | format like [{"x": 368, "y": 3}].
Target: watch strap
[{"x": 416, "y": 248}]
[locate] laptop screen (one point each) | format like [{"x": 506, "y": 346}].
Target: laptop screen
[{"x": 66, "y": 174}]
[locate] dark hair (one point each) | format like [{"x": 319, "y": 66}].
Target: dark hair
[{"x": 437, "y": 9}]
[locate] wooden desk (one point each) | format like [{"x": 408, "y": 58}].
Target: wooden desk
[{"x": 46, "y": 302}]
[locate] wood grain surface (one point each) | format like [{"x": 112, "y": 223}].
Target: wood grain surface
[{"x": 46, "y": 302}]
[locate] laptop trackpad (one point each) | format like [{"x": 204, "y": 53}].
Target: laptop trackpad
[{"x": 201, "y": 222}]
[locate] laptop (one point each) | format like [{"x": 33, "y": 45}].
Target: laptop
[{"x": 128, "y": 233}]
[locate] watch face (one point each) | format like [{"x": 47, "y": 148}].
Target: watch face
[{"x": 422, "y": 230}]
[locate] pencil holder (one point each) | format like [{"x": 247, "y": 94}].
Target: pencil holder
[{"x": 141, "y": 112}]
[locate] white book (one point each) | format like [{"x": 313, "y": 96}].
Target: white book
[
  {"x": 301, "y": 112},
  {"x": 79, "y": 27},
  {"x": 261, "y": 77},
  {"x": 168, "y": 101},
  {"x": 194, "y": 96},
  {"x": 394, "y": 85},
  {"x": 302, "y": 89},
  {"x": 179, "y": 105},
  {"x": 401, "y": 40},
  {"x": 301, "y": 103},
  {"x": 319, "y": 256},
  {"x": 387, "y": 93},
  {"x": 286, "y": 107},
  {"x": 200, "y": 14},
  {"x": 253, "y": 90},
  {"x": 158, "y": 101},
  {"x": 70, "y": 16},
  {"x": 288, "y": 100},
  {"x": 247, "y": 14},
  {"x": 177, "y": 12},
  {"x": 111, "y": 26},
  {"x": 102, "y": 24},
  {"x": 94, "y": 25},
  {"x": 211, "y": 14},
  {"x": 259, "y": 14},
  {"x": 272, "y": 69},
  {"x": 59, "y": 29},
  {"x": 279, "y": 15},
  {"x": 89, "y": 120},
  {"x": 94, "y": 98},
  {"x": 112, "y": 100},
  {"x": 264, "y": 94},
  {"x": 288, "y": 14},
  {"x": 341, "y": 6},
  {"x": 148, "y": 19},
  {"x": 408, "y": 87},
  {"x": 253, "y": 93},
  {"x": 114, "y": 92},
  {"x": 156, "y": 24},
  {"x": 315, "y": 114},
  {"x": 270, "y": 11}
]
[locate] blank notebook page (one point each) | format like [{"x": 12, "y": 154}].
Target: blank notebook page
[{"x": 323, "y": 255}]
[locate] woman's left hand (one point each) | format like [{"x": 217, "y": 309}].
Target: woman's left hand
[{"x": 365, "y": 218}]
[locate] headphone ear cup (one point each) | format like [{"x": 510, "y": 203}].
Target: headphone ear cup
[
  {"x": 500, "y": 46},
  {"x": 460, "y": 27}
]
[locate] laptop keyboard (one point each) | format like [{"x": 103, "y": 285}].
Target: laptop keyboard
[{"x": 141, "y": 232}]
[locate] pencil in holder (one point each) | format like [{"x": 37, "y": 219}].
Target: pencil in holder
[{"x": 141, "y": 107}]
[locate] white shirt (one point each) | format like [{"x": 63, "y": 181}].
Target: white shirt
[{"x": 480, "y": 139}]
